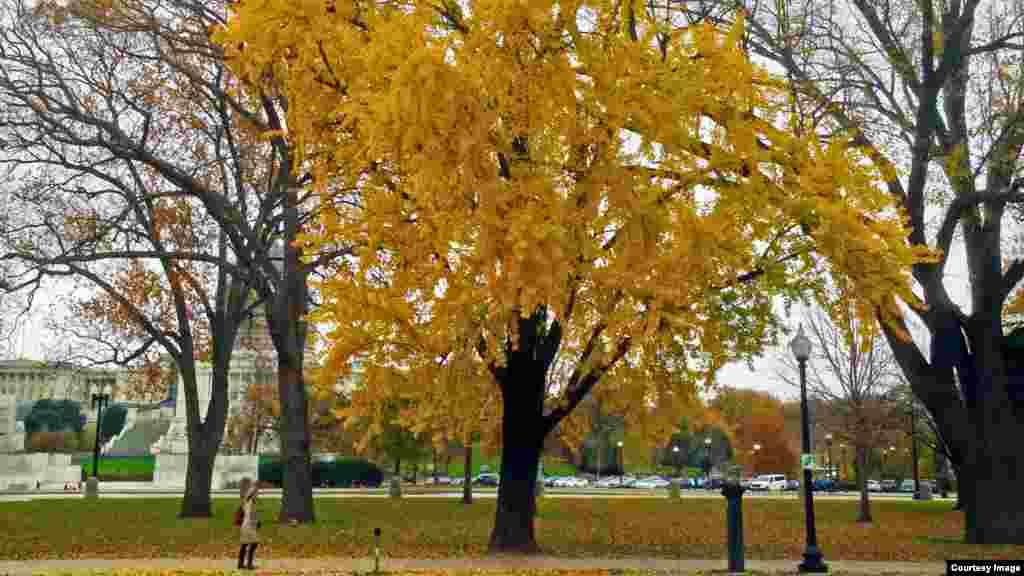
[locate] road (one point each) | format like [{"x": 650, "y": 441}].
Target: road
[{"x": 144, "y": 490}]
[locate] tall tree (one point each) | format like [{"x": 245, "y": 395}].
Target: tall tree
[
  {"x": 936, "y": 90},
  {"x": 851, "y": 376},
  {"x": 138, "y": 84},
  {"x": 756, "y": 418},
  {"x": 544, "y": 180}
]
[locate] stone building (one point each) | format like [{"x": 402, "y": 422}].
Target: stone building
[{"x": 30, "y": 380}]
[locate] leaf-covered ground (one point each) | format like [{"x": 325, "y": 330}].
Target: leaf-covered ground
[{"x": 687, "y": 528}]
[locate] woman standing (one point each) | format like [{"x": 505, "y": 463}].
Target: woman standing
[{"x": 248, "y": 535}]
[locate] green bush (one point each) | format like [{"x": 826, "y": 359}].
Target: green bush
[
  {"x": 113, "y": 421},
  {"x": 346, "y": 472},
  {"x": 49, "y": 415},
  {"x": 339, "y": 473},
  {"x": 271, "y": 471}
]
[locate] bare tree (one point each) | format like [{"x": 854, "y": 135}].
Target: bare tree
[
  {"x": 933, "y": 92},
  {"x": 851, "y": 374},
  {"x": 133, "y": 103}
]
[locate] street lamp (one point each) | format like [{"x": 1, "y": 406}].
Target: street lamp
[
  {"x": 99, "y": 400},
  {"x": 707, "y": 462},
  {"x": 842, "y": 461},
  {"x": 913, "y": 452},
  {"x": 622, "y": 464},
  {"x": 801, "y": 348},
  {"x": 757, "y": 448},
  {"x": 828, "y": 443},
  {"x": 675, "y": 459}
]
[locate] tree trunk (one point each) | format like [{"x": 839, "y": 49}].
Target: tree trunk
[
  {"x": 992, "y": 515},
  {"x": 398, "y": 469},
  {"x": 467, "y": 486},
  {"x": 288, "y": 333},
  {"x": 520, "y": 457},
  {"x": 297, "y": 493},
  {"x": 196, "y": 501},
  {"x": 864, "y": 514},
  {"x": 960, "y": 489}
]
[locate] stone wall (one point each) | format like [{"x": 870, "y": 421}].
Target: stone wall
[
  {"x": 28, "y": 469},
  {"x": 170, "y": 470}
]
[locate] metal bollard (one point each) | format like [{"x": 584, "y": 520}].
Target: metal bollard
[
  {"x": 733, "y": 493},
  {"x": 376, "y": 550}
]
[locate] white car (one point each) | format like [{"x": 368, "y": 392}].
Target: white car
[
  {"x": 652, "y": 482},
  {"x": 874, "y": 486},
  {"x": 768, "y": 482},
  {"x": 610, "y": 482}
]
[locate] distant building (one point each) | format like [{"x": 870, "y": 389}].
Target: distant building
[{"x": 31, "y": 380}]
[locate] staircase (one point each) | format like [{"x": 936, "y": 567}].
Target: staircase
[{"x": 136, "y": 442}]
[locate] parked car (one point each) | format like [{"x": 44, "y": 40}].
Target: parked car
[
  {"x": 609, "y": 482},
  {"x": 487, "y": 479},
  {"x": 769, "y": 482},
  {"x": 907, "y": 486},
  {"x": 890, "y": 485},
  {"x": 792, "y": 485},
  {"x": 874, "y": 486},
  {"x": 824, "y": 484},
  {"x": 629, "y": 481},
  {"x": 457, "y": 481},
  {"x": 651, "y": 482}
]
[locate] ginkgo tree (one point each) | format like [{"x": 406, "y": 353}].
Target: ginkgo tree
[{"x": 582, "y": 180}]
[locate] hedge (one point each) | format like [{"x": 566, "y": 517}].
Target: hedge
[{"x": 339, "y": 473}]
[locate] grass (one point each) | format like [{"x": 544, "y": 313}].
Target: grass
[
  {"x": 687, "y": 528},
  {"x": 612, "y": 572},
  {"x": 124, "y": 467}
]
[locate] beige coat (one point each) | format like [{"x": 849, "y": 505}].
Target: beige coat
[{"x": 248, "y": 533}]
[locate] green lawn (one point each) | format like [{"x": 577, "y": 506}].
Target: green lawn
[
  {"x": 687, "y": 528},
  {"x": 124, "y": 467}
]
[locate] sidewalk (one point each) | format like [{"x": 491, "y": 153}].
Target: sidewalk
[{"x": 515, "y": 563}]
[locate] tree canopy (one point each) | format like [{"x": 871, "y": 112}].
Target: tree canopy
[{"x": 631, "y": 178}]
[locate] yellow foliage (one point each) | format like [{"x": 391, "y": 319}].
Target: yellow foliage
[{"x": 509, "y": 157}]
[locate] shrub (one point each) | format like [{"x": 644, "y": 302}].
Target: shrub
[
  {"x": 346, "y": 472},
  {"x": 271, "y": 471},
  {"x": 339, "y": 473},
  {"x": 113, "y": 421},
  {"x": 52, "y": 442}
]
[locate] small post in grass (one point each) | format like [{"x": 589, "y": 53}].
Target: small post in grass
[
  {"x": 733, "y": 490},
  {"x": 376, "y": 550}
]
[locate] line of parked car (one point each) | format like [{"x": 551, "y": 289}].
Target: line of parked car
[{"x": 764, "y": 482}]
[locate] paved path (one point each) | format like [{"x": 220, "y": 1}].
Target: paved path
[{"x": 88, "y": 566}]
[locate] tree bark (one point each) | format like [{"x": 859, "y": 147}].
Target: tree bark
[
  {"x": 288, "y": 332},
  {"x": 864, "y": 515},
  {"x": 198, "y": 479},
  {"x": 520, "y": 457},
  {"x": 297, "y": 485},
  {"x": 467, "y": 485}
]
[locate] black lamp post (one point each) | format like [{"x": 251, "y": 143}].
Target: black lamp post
[
  {"x": 675, "y": 459},
  {"x": 913, "y": 452},
  {"x": 828, "y": 444},
  {"x": 707, "y": 462},
  {"x": 99, "y": 400},
  {"x": 801, "y": 348},
  {"x": 622, "y": 463},
  {"x": 842, "y": 462}
]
